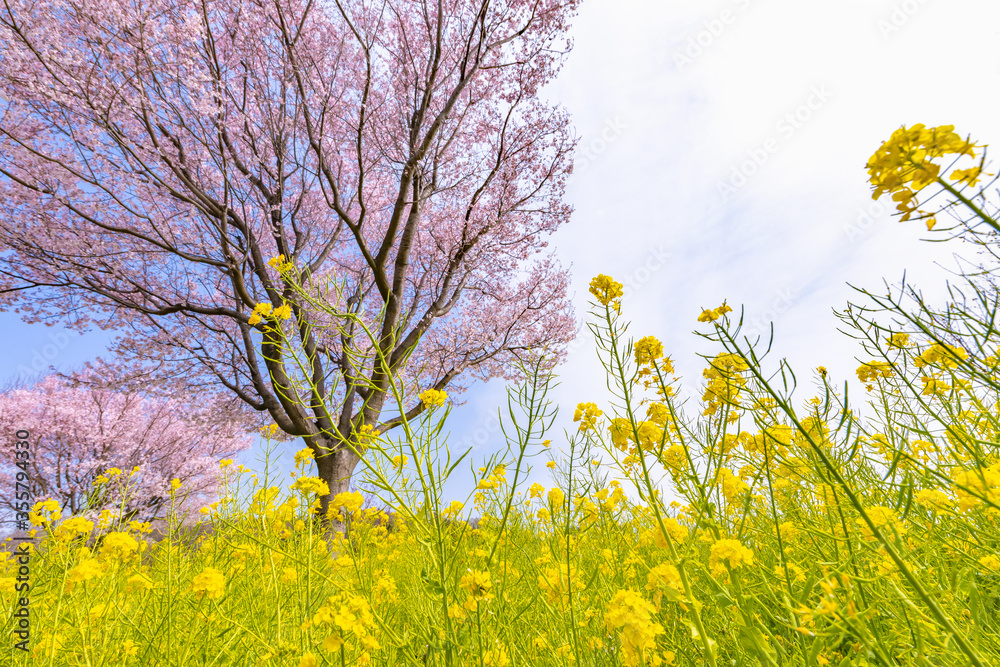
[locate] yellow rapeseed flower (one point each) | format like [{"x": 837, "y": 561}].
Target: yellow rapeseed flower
[
  {"x": 647, "y": 350},
  {"x": 280, "y": 264},
  {"x": 634, "y": 618},
  {"x": 138, "y": 582},
  {"x": 712, "y": 315},
  {"x": 941, "y": 355},
  {"x": 351, "y": 501},
  {"x": 934, "y": 500},
  {"x": 990, "y": 562},
  {"x": 898, "y": 340},
  {"x": 605, "y": 289},
  {"x": 934, "y": 385},
  {"x": 881, "y": 517},
  {"x": 333, "y": 643},
  {"x": 311, "y": 485},
  {"x": 73, "y": 527},
  {"x": 969, "y": 176},
  {"x": 453, "y": 510},
  {"x": 873, "y": 370},
  {"x": 587, "y": 414},
  {"x": 903, "y": 165},
  {"x": 496, "y": 657},
  {"x": 664, "y": 579},
  {"x": 86, "y": 570},
  {"x": 728, "y": 551},
  {"x": 478, "y": 584},
  {"x": 260, "y": 311},
  {"x": 209, "y": 582},
  {"x": 725, "y": 381},
  {"x": 433, "y": 398},
  {"x": 119, "y": 546},
  {"x": 45, "y": 512},
  {"x": 731, "y": 485}
]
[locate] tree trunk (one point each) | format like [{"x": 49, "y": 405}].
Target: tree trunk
[{"x": 335, "y": 468}]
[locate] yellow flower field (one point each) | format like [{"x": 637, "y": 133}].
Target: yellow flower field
[{"x": 776, "y": 521}]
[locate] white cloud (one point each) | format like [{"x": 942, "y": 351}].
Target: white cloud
[{"x": 803, "y": 91}]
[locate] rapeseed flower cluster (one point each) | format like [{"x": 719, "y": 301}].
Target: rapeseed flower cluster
[
  {"x": 725, "y": 380},
  {"x": 633, "y": 618},
  {"x": 713, "y": 315},
  {"x": 941, "y": 355},
  {"x": 477, "y": 584},
  {"x": 433, "y": 398},
  {"x": 349, "y": 619},
  {"x": 87, "y": 569},
  {"x": 904, "y": 164},
  {"x": 587, "y": 414},
  {"x": 606, "y": 290},
  {"x": 311, "y": 486},
  {"x": 872, "y": 371},
  {"x": 559, "y": 582},
  {"x": 209, "y": 583},
  {"x": 120, "y": 546},
  {"x": 45, "y": 512},
  {"x": 281, "y": 265},
  {"x": 266, "y": 310},
  {"x": 344, "y": 504},
  {"x": 731, "y": 552},
  {"x": 494, "y": 480}
]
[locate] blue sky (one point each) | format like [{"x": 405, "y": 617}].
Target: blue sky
[{"x": 722, "y": 156}]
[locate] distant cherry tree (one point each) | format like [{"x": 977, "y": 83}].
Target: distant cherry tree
[
  {"x": 79, "y": 434},
  {"x": 156, "y": 156}
]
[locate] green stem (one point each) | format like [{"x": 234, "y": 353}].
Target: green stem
[
  {"x": 939, "y": 616},
  {"x": 681, "y": 569}
]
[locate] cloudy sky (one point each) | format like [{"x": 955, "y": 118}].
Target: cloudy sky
[{"x": 722, "y": 156}]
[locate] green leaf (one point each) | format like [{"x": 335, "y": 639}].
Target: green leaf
[{"x": 754, "y": 642}]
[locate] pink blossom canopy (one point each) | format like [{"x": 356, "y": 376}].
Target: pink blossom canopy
[{"x": 155, "y": 154}]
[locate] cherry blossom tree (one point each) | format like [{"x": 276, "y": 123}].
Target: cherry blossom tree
[
  {"x": 79, "y": 433},
  {"x": 155, "y": 155}
]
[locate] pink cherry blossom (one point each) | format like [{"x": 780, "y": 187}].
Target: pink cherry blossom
[
  {"x": 80, "y": 432},
  {"x": 154, "y": 156}
]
